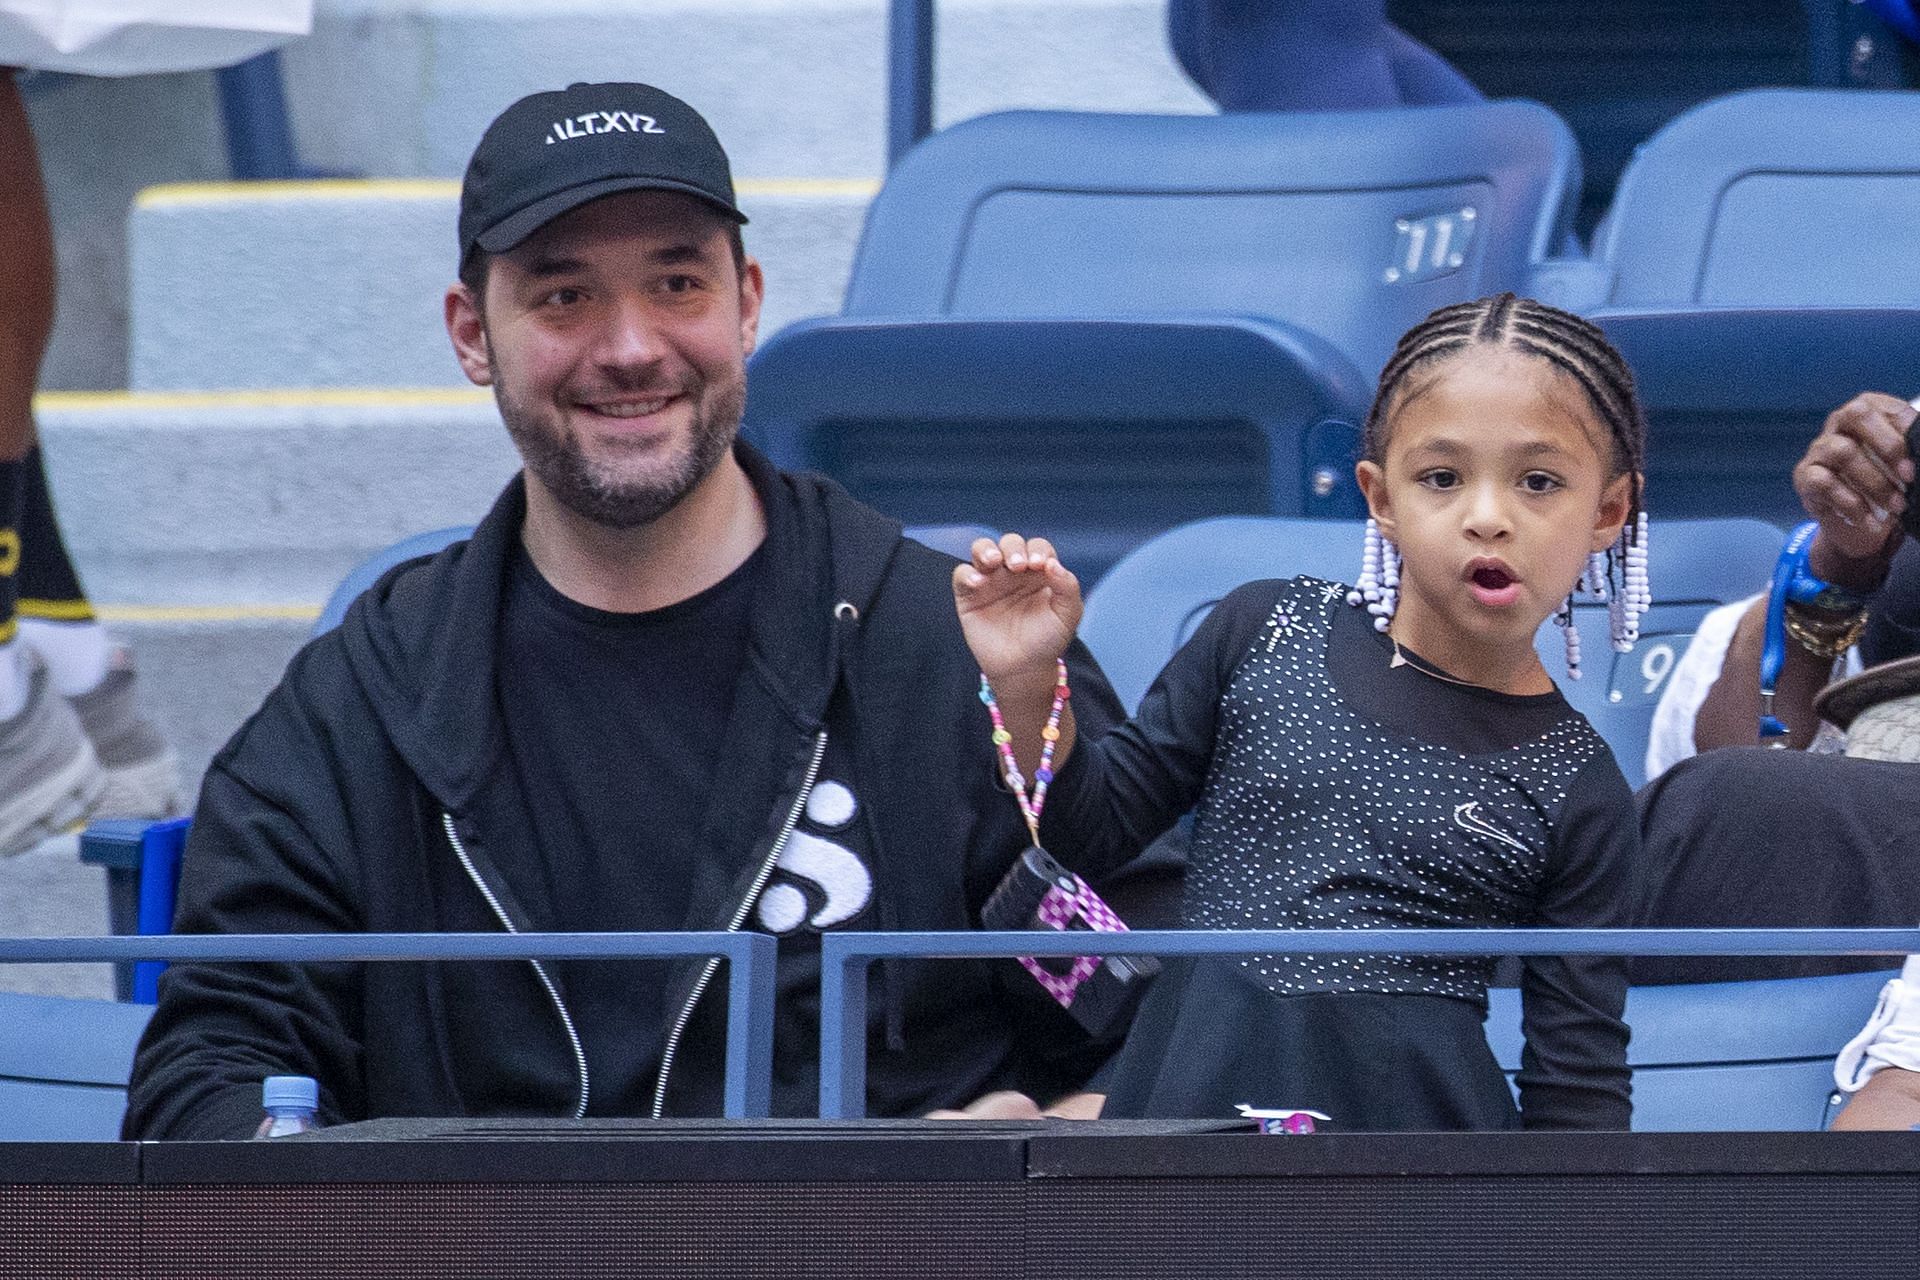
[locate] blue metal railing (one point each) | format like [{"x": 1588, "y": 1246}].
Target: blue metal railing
[
  {"x": 845, "y": 957},
  {"x": 749, "y": 959}
]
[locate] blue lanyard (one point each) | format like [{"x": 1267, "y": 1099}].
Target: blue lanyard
[{"x": 1791, "y": 565}]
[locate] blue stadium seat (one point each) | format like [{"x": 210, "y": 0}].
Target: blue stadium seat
[
  {"x": 368, "y": 571},
  {"x": 1095, "y": 326},
  {"x": 1754, "y": 271},
  {"x": 1150, "y": 603},
  {"x": 1726, "y": 1056},
  {"x": 1618, "y": 71},
  {"x": 64, "y": 1066},
  {"x": 1350, "y": 225},
  {"x": 1694, "y": 566},
  {"x": 1096, "y": 433},
  {"x": 1733, "y": 395},
  {"x": 1307, "y": 55},
  {"x": 1771, "y": 198}
]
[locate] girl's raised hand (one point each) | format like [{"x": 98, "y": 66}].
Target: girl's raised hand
[{"x": 1019, "y": 606}]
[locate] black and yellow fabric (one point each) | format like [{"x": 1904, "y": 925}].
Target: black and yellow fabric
[
  {"x": 47, "y": 586},
  {"x": 12, "y": 487}
]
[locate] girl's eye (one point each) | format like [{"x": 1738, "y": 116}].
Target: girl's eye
[
  {"x": 564, "y": 297},
  {"x": 1440, "y": 478},
  {"x": 1540, "y": 482}
]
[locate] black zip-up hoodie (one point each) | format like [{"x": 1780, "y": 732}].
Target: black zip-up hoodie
[{"x": 371, "y": 793}]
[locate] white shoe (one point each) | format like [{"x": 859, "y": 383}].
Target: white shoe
[{"x": 50, "y": 776}]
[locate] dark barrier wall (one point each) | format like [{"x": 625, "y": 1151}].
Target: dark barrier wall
[{"x": 975, "y": 1202}]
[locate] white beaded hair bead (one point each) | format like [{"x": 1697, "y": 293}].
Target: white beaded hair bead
[
  {"x": 1389, "y": 582},
  {"x": 1595, "y": 579},
  {"x": 1635, "y": 596},
  {"x": 1366, "y": 588},
  {"x": 1571, "y": 634},
  {"x": 1379, "y": 575}
]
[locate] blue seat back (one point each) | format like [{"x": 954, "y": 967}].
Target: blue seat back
[
  {"x": 1721, "y": 1056},
  {"x": 1733, "y": 395},
  {"x": 64, "y": 1065},
  {"x": 1095, "y": 433},
  {"x": 1151, "y": 602},
  {"x": 1774, "y": 197},
  {"x": 1693, "y": 566},
  {"x": 1352, "y": 225},
  {"x": 368, "y": 571}
]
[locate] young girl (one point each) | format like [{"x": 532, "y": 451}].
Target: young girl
[{"x": 1394, "y": 756}]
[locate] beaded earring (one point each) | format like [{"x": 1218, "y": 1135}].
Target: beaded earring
[{"x": 1378, "y": 586}]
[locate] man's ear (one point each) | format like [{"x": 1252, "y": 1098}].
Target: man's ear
[
  {"x": 1372, "y": 479},
  {"x": 469, "y": 334},
  {"x": 753, "y": 289},
  {"x": 1615, "y": 501}
]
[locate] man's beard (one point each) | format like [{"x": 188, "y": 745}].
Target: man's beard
[{"x": 597, "y": 491}]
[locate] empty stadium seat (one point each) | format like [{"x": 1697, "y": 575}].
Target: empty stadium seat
[
  {"x": 1618, "y": 71},
  {"x": 1307, "y": 55},
  {"x": 1351, "y": 225},
  {"x": 1726, "y": 1056},
  {"x": 1771, "y": 198},
  {"x": 1733, "y": 395},
  {"x": 1754, "y": 270},
  {"x": 1095, "y": 433},
  {"x": 64, "y": 1066},
  {"x": 1151, "y": 602}
]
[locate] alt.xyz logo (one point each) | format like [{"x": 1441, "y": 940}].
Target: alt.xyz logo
[{"x": 588, "y": 123}]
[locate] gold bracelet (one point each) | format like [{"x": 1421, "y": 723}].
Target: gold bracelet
[{"x": 1825, "y": 637}]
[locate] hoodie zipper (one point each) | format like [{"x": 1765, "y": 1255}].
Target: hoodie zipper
[
  {"x": 539, "y": 970},
  {"x": 739, "y": 918}
]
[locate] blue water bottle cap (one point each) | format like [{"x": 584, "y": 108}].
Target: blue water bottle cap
[{"x": 290, "y": 1091}]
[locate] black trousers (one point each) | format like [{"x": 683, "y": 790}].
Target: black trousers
[{"x": 1746, "y": 836}]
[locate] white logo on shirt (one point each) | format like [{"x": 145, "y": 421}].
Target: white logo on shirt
[
  {"x": 836, "y": 877},
  {"x": 588, "y": 123},
  {"x": 1466, "y": 817}
]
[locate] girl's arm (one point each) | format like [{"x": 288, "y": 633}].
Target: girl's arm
[
  {"x": 1573, "y": 1072},
  {"x": 1112, "y": 795}
]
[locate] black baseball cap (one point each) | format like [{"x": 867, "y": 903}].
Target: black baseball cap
[{"x": 553, "y": 152}]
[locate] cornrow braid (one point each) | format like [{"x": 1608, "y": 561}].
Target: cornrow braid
[{"x": 1574, "y": 346}]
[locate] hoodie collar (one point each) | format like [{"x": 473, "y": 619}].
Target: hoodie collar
[{"x": 424, "y": 640}]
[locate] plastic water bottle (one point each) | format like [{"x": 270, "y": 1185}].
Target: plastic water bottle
[{"x": 290, "y": 1103}]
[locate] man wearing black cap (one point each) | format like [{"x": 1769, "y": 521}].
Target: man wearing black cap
[{"x": 664, "y": 686}]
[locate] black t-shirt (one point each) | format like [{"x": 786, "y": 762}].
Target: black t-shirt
[{"x": 613, "y": 725}]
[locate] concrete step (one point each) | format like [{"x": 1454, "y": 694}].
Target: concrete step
[
  {"x": 339, "y": 284},
  {"x": 261, "y": 497}
]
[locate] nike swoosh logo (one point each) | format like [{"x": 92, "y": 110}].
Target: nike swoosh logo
[{"x": 1468, "y": 819}]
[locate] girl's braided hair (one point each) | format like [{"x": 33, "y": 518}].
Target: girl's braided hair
[{"x": 1571, "y": 344}]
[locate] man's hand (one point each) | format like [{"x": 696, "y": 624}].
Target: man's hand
[
  {"x": 1853, "y": 480},
  {"x": 1019, "y": 607},
  {"x": 1008, "y": 1105},
  {"x": 1002, "y": 1105}
]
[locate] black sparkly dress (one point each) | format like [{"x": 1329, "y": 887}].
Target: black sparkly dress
[{"x": 1332, "y": 791}]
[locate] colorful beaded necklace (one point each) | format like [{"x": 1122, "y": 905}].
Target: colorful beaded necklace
[{"x": 1043, "y": 776}]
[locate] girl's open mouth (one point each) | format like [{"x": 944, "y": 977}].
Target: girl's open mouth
[{"x": 1494, "y": 586}]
